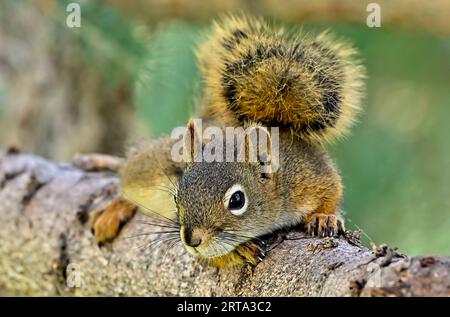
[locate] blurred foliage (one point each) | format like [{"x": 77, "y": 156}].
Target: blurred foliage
[
  {"x": 395, "y": 165},
  {"x": 106, "y": 33},
  {"x": 169, "y": 79}
]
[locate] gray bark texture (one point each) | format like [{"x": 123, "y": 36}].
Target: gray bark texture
[{"x": 46, "y": 246}]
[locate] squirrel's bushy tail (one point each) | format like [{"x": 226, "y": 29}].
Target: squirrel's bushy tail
[{"x": 311, "y": 85}]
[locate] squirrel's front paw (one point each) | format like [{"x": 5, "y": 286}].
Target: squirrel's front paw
[
  {"x": 324, "y": 225},
  {"x": 108, "y": 221},
  {"x": 250, "y": 252}
]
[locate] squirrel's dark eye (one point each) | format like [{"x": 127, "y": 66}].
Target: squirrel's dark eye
[{"x": 237, "y": 200}]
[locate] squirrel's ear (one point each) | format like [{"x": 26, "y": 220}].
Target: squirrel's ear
[
  {"x": 192, "y": 141},
  {"x": 259, "y": 148}
]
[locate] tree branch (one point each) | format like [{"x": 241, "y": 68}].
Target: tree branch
[
  {"x": 45, "y": 211},
  {"x": 428, "y": 16}
]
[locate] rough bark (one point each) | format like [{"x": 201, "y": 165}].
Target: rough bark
[{"x": 45, "y": 230}]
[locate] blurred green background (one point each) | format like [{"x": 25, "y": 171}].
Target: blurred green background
[{"x": 395, "y": 165}]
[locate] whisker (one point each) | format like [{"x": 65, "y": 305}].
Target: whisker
[
  {"x": 179, "y": 244},
  {"x": 147, "y": 234},
  {"x": 156, "y": 242},
  {"x": 250, "y": 238},
  {"x": 148, "y": 209},
  {"x": 175, "y": 226},
  {"x": 223, "y": 245},
  {"x": 165, "y": 186},
  {"x": 214, "y": 247},
  {"x": 175, "y": 187},
  {"x": 170, "y": 245},
  {"x": 163, "y": 189},
  {"x": 232, "y": 239},
  {"x": 164, "y": 242},
  {"x": 236, "y": 243},
  {"x": 242, "y": 236}
]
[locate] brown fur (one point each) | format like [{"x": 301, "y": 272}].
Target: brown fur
[{"x": 310, "y": 87}]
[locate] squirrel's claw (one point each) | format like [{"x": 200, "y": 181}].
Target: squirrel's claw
[
  {"x": 250, "y": 252},
  {"x": 323, "y": 225},
  {"x": 108, "y": 221}
]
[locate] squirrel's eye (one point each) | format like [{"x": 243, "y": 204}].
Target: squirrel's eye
[{"x": 236, "y": 201}]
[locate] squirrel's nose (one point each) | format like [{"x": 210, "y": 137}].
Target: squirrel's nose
[
  {"x": 194, "y": 242},
  {"x": 192, "y": 238}
]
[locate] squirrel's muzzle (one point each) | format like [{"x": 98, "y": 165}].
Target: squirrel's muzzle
[{"x": 192, "y": 237}]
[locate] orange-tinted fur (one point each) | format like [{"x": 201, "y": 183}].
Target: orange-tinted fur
[{"x": 309, "y": 87}]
